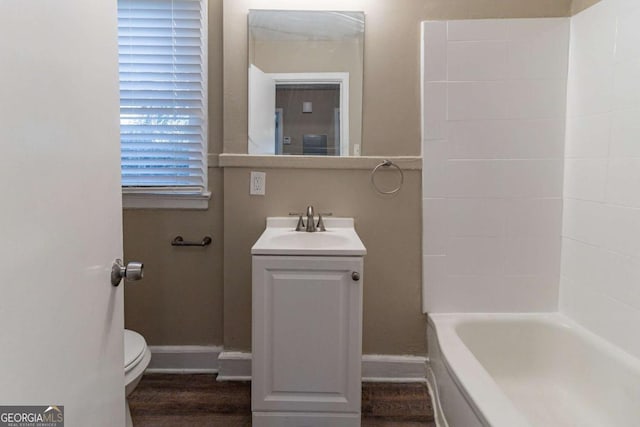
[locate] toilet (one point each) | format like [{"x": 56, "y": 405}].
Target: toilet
[{"x": 136, "y": 359}]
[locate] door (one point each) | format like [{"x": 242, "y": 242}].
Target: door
[
  {"x": 307, "y": 334},
  {"x": 262, "y": 107},
  {"x": 279, "y": 130},
  {"x": 62, "y": 320}
]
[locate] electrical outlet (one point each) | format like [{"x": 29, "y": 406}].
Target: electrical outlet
[
  {"x": 258, "y": 183},
  {"x": 356, "y": 149}
]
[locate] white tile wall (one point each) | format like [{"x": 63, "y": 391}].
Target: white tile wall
[
  {"x": 435, "y": 113},
  {"x": 502, "y": 225},
  {"x": 476, "y": 60},
  {"x": 600, "y": 284},
  {"x": 623, "y": 181},
  {"x": 538, "y": 49},
  {"x": 588, "y": 136},
  {"x": 494, "y": 130},
  {"x": 625, "y": 133},
  {"x": 479, "y": 100},
  {"x": 505, "y": 139},
  {"x": 476, "y": 30},
  {"x": 585, "y": 179},
  {"x": 528, "y": 217},
  {"x": 435, "y": 60}
]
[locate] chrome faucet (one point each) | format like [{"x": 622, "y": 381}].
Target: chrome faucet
[{"x": 311, "y": 225}]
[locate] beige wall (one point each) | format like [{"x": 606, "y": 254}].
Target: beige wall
[
  {"x": 180, "y": 299},
  {"x": 389, "y": 228},
  {"x": 186, "y": 300},
  {"x": 580, "y": 5}
]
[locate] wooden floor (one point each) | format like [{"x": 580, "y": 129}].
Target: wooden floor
[{"x": 163, "y": 400}]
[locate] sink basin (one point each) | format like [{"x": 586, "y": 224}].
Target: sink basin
[
  {"x": 280, "y": 238},
  {"x": 321, "y": 240}
]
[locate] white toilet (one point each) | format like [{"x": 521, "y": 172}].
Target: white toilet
[{"x": 136, "y": 359}]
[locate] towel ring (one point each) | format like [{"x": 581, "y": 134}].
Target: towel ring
[{"x": 386, "y": 164}]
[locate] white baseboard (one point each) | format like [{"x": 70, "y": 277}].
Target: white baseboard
[
  {"x": 236, "y": 366},
  {"x": 391, "y": 368},
  {"x": 295, "y": 419},
  {"x": 182, "y": 359}
]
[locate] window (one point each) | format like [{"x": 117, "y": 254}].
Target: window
[{"x": 163, "y": 102}]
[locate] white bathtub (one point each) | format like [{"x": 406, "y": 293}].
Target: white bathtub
[{"x": 509, "y": 370}]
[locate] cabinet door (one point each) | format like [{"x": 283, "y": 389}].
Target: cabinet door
[{"x": 307, "y": 334}]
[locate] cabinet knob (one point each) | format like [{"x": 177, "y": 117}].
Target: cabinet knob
[{"x": 355, "y": 276}]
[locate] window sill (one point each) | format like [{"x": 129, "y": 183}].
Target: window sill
[{"x": 165, "y": 201}]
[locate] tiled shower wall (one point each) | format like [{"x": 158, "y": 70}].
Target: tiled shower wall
[
  {"x": 494, "y": 127},
  {"x": 600, "y": 285}
]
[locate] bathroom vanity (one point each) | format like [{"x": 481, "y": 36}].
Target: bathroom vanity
[{"x": 307, "y": 325}]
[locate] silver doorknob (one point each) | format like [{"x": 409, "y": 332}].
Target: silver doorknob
[{"x": 132, "y": 271}]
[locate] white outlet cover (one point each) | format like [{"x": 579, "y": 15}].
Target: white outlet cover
[{"x": 258, "y": 183}]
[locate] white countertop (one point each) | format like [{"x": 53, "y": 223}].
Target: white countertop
[{"x": 280, "y": 238}]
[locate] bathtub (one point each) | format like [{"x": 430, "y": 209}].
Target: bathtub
[{"x": 509, "y": 370}]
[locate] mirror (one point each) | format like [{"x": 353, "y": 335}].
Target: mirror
[{"x": 305, "y": 82}]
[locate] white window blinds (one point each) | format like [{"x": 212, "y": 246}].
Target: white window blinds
[{"x": 162, "y": 57}]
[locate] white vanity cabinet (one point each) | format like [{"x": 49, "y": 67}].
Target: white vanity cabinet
[{"x": 306, "y": 334}]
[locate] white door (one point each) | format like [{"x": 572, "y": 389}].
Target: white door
[
  {"x": 62, "y": 321},
  {"x": 279, "y": 130},
  {"x": 262, "y": 108}
]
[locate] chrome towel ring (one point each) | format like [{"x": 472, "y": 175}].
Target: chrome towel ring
[{"x": 387, "y": 164}]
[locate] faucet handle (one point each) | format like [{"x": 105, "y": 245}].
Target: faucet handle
[
  {"x": 320, "y": 226},
  {"x": 300, "y": 226}
]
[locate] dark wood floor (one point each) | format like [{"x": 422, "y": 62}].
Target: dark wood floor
[{"x": 199, "y": 400}]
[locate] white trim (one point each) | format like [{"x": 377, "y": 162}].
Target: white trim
[
  {"x": 182, "y": 359},
  {"x": 391, "y": 368},
  {"x": 280, "y": 132},
  {"x": 229, "y": 160},
  {"x": 213, "y": 160},
  {"x": 337, "y": 125},
  {"x": 295, "y": 419},
  {"x": 324, "y": 78},
  {"x": 150, "y": 200},
  {"x": 423, "y": 29},
  {"x": 205, "y": 106},
  {"x": 236, "y": 365}
]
